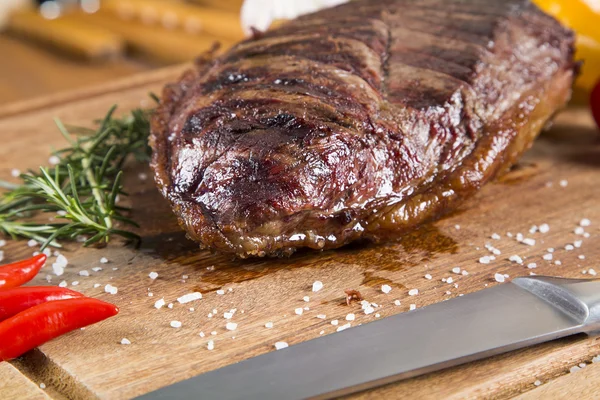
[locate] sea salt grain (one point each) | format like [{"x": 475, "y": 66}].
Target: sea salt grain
[
  {"x": 210, "y": 345},
  {"x": 175, "y": 324},
  {"x": 495, "y": 236},
  {"x": 159, "y": 304},
  {"x": 335, "y": 322},
  {"x": 544, "y": 228},
  {"x": 456, "y": 270},
  {"x": 317, "y": 285},
  {"x": 585, "y": 222},
  {"x": 42, "y": 385},
  {"x": 413, "y": 292},
  {"x": 153, "y": 275},
  {"x": 578, "y": 243},
  {"x": 529, "y": 242},
  {"x": 189, "y": 297},
  {"x": 449, "y": 280},
  {"x": 516, "y": 259},
  {"x": 547, "y": 256},
  {"x": 97, "y": 269},
  {"x": 537, "y": 383},
  {"x": 350, "y": 317},
  {"x": 110, "y": 289},
  {"x": 563, "y": 183},
  {"x": 428, "y": 276},
  {"x": 269, "y": 325},
  {"x": 299, "y": 311},
  {"x": 386, "y": 289},
  {"x": 281, "y": 345},
  {"x": 125, "y": 341},
  {"x": 581, "y": 257},
  {"x": 63, "y": 284},
  {"x": 227, "y": 315},
  {"x": 84, "y": 273},
  {"x": 306, "y": 299},
  {"x": 220, "y": 292},
  {"x": 499, "y": 277},
  {"x": 579, "y": 230},
  {"x": 104, "y": 260},
  {"x": 231, "y": 326},
  {"x": 343, "y": 327},
  {"x": 321, "y": 316},
  {"x": 569, "y": 247},
  {"x": 413, "y": 307},
  {"x": 485, "y": 260},
  {"x": 75, "y": 283},
  {"x": 369, "y": 310},
  {"x": 397, "y": 302},
  {"x": 531, "y": 265},
  {"x": 32, "y": 243},
  {"x": 15, "y": 173},
  {"x": 591, "y": 271}
]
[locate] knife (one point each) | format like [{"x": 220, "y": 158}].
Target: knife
[{"x": 524, "y": 312}]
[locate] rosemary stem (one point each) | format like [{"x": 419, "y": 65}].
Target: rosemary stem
[{"x": 89, "y": 175}]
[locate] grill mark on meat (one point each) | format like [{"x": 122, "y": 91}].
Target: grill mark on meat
[{"x": 344, "y": 131}]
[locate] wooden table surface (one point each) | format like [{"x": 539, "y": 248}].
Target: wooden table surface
[{"x": 92, "y": 363}]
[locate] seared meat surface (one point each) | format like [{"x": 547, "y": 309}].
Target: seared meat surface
[{"x": 361, "y": 121}]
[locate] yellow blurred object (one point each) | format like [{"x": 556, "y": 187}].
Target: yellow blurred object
[
  {"x": 176, "y": 15},
  {"x": 229, "y": 5},
  {"x": 583, "y": 16},
  {"x": 158, "y": 45},
  {"x": 72, "y": 37}
]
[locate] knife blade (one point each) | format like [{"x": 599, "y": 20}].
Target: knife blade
[{"x": 506, "y": 317}]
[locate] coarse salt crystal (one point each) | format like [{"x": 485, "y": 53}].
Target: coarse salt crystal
[
  {"x": 550, "y": 250},
  {"x": 103, "y": 260},
  {"x": 269, "y": 325},
  {"x": 158, "y": 304},
  {"x": 516, "y": 259},
  {"x": 369, "y": 310},
  {"x": 210, "y": 345},
  {"x": 110, "y": 289},
  {"x": 586, "y": 235},
  {"x": 125, "y": 341},
  {"x": 428, "y": 276},
  {"x": 15, "y": 173},
  {"x": 231, "y": 326},
  {"x": 579, "y": 230},
  {"x": 531, "y": 265},
  {"x": 529, "y": 241},
  {"x": 220, "y": 292},
  {"x": 334, "y": 322},
  {"x": 317, "y": 285},
  {"x": 201, "y": 334},
  {"x": 61, "y": 261},
  {"x": 547, "y": 256},
  {"x": 456, "y": 270},
  {"x": 54, "y": 160},
  {"x": 485, "y": 260},
  {"x": 321, "y": 316},
  {"x": 413, "y": 292},
  {"x": 343, "y": 327},
  {"x": 350, "y": 317},
  {"x": 142, "y": 176},
  {"x": 97, "y": 269},
  {"x": 281, "y": 345},
  {"x": 84, "y": 273},
  {"x": 386, "y": 289},
  {"x": 397, "y": 302},
  {"x": 464, "y": 272},
  {"x": 457, "y": 227},
  {"x": 150, "y": 294},
  {"x": 537, "y": 383},
  {"x": 2, "y": 242},
  {"x": 153, "y": 275},
  {"x": 499, "y": 277},
  {"x": 495, "y": 236},
  {"x": 413, "y": 307},
  {"x": 449, "y": 280},
  {"x": 214, "y": 333},
  {"x": 569, "y": 247},
  {"x": 58, "y": 269},
  {"x": 533, "y": 229},
  {"x": 189, "y": 297},
  {"x": 97, "y": 285},
  {"x": 63, "y": 284},
  {"x": 227, "y": 315},
  {"x": 75, "y": 283},
  {"x": 581, "y": 257},
  {"x": 585, "y": 222},
  {"x": 591, "y": 271},
  {"x": 544, "y": 228},
  {"x": 596, "y": 359},
  {"x": 563, "y": 183},
  {"x": 175, "y": 324},
  {"x": 306, "y": 299},
  {"x": 42, "y": 385},
  {"x": 574, "y": 368},
  {"x": 578, "y": 243},
  {"x": 557, "y": 262},
  {"x": 299, "y": 311},
  {"x": 520, "y": 237},
  {"x": 32, "y": 243}
]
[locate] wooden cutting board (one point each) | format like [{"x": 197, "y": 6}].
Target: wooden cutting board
[{"x": 556, "y": 183}]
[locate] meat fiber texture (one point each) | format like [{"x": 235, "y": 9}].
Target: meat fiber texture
[{"x": 361, "y": 121}]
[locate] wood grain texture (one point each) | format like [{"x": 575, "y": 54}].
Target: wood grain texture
[
  {"x": 269, "y": 290},
  {"x": 13, "y": 385}
]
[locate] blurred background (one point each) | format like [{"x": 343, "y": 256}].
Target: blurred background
[
  {"x": 50, "y": 46},
  {"x": 56, "y": 45}
]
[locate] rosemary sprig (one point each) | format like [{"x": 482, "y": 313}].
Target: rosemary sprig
[{"x": 81, "y": 191}]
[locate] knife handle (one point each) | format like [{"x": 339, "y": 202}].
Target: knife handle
[{"x": 577, "y": 298}]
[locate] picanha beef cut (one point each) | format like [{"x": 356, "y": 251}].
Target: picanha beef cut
[{"x": 360, "y": 121}]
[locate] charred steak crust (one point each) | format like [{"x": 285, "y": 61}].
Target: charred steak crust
[{"x": 359, "y": 121}]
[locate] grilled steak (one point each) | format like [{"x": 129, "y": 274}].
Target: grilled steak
[{"x": 360, "y": 121}]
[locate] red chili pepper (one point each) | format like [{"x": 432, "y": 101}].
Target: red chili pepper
[
  {"x": 18, "y": 273},
  {"x": 595, "y": 103},
  {"x": 46, "y": 321},
  {"x": 13, "y": 301}
]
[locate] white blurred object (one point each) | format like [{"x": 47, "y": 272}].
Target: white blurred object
[
  {"x": 259, "y": 14},
  {"x": 8, "y": 6}
]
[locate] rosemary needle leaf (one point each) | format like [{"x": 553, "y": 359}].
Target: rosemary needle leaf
[{"x": 82, "y": 189}]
